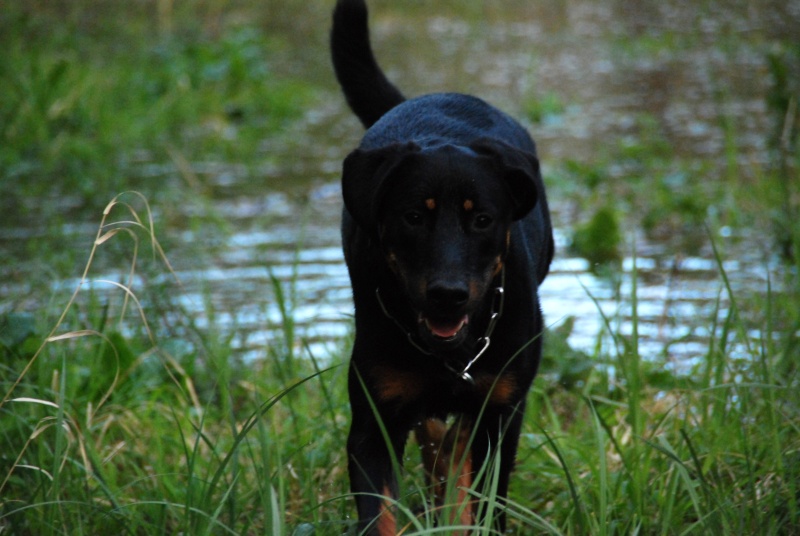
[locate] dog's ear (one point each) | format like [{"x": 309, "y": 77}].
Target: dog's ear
[
  {"x": 520, "y": 170},
  {"x": 364, "y": 174}
]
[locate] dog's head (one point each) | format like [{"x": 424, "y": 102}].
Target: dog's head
[{"x": 443, "y": 219}]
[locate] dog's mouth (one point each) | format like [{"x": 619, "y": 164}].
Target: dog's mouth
[{"x": 444, "y": 329}]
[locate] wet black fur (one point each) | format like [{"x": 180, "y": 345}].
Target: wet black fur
[{"x": 435, "y": 265}]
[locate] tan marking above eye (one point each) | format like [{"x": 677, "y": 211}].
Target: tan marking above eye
[
  {"x": 430, "y": 203},
  {"x": 468, "y": 205}
]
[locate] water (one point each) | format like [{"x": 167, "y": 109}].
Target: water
[
  {"x": 608, "y": 63},
  {"x": 678, "y": 296}
]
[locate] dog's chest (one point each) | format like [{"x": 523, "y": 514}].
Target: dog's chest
[{"x": 426, "y": 388}]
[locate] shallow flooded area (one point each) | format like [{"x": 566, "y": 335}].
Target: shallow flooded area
[{"x": 632, "y": 106}]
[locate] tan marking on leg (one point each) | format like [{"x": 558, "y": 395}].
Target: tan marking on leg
[
  {"x": 465, "y": 503},
  {"x": 430, "y": 436},
  {"x": 460, "y": 457},
  {"x": 447, "y": 460},
  {"x": 387, "y": 522}
]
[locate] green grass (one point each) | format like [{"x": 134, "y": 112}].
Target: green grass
[
  {"x": 112, "y": 424},
  {"x": 116, "y": 433},
  {"x": 714, "y": 451},
  {"x": 84, "y": 94}
]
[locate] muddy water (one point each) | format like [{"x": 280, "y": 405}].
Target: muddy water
[{"x": 608, "y": 63}]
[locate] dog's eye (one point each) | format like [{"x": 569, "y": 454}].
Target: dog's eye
[
  {"x": 412, "y": 218},
  {"x": 483, "y": 221}
]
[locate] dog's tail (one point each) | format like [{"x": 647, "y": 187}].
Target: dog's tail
[{"x": 367, "y": 90}]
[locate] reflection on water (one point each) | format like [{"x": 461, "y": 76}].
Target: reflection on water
[
  {"x": 686, "y": 64},
  {"x": 677, "y": 296}
]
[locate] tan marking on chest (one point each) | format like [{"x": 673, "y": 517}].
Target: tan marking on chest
[
  {"x": 394, "y": 385},
  {"x": 500, "y": 391}
]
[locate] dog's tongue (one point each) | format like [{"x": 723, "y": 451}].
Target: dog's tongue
[{"x": 446, "y": 329}]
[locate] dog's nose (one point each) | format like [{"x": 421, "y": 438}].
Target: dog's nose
[{"x": 447, "y": 295}]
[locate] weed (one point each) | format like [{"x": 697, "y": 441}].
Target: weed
[{"x": 599, "y": 239}]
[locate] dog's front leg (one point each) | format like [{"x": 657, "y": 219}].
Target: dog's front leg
[{"x": 372, "y": 466}]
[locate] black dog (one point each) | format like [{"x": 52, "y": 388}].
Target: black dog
[{"x": 447, "y": 236}]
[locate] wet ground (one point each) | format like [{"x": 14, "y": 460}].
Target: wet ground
[{"x": 684, "y": 64}]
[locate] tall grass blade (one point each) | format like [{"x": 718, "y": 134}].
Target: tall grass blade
[{"x": 580, "y": 515}]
